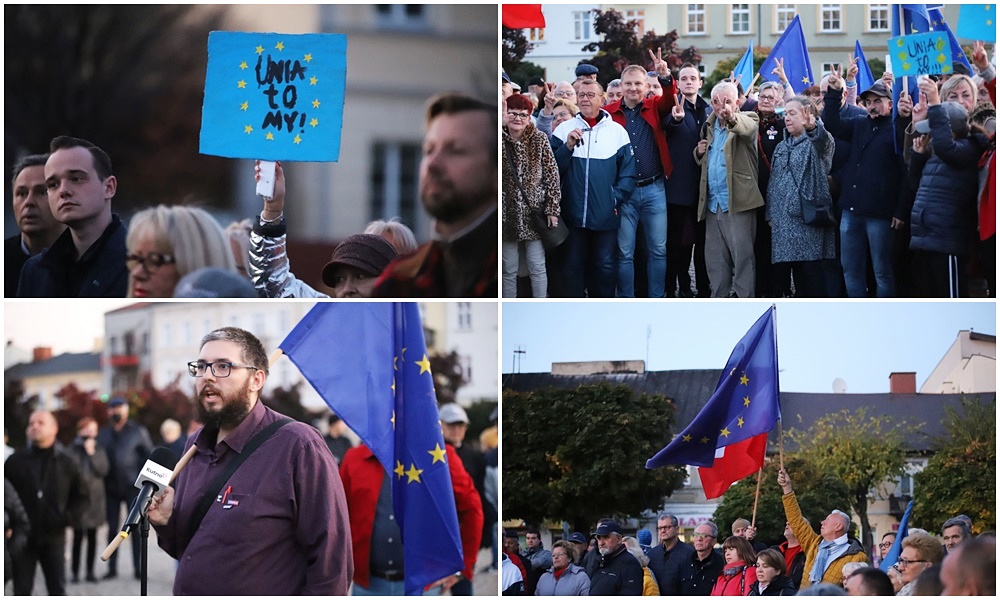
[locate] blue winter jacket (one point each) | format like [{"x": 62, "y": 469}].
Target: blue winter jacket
[
  {"x": 944, "y": 212},
  {"x": 597, "y": 175}
]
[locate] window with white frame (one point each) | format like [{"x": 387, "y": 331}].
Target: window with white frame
[
  {"x": 695, "y": 19},
  {"x": 783, "y": 15},
  {"x": 639, "y": 16},
  {"x": 536, "y": 34},
  {"x": 395, "y": 171},
  {"x": 465, "y": 316},
  {"x": 739, "y": 18},
  {"x": 581, "y": 25},
  {"x": 402, "y": 16},
  {"x": 878, "y": 17},
  {"x": 828, "y": 67},
  {"x": 831, "y": 18}
]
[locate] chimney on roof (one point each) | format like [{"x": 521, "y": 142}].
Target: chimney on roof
[
  {"x": 41, "y": 354},
  {"x": 902, "y": 383}
]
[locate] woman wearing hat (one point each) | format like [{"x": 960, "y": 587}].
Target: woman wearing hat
[
  {"x": 530, "y": 186},
  {"x": 352, "y": 271}
]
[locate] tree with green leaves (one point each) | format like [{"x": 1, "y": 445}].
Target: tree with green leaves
[
  {"x": 863, "y": 450},
  {"x": 579, "y": 455},
  {"x": 818, "y": 493},
  {"x": 620, "y": 46},
  {"x": 961, "y": 476}
]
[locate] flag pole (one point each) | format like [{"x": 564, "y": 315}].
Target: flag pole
[
  {"x": 756, "y": 496},
  {"x": 781, "y": 448},
  {"x": 902, "y": 31},
  {"x": 274, "y": 357}
]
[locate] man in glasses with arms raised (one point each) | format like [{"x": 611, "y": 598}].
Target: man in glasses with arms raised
[{"x": 278, "y": 524}]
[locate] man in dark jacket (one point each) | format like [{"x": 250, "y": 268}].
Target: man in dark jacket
[
  {"x": 37, "y": 228},
  {"x": 47, "y": 479},
  {"x": 16, "y": 528},
  {"x": 699, "y": 575},
  {"x": 618, "y": 573},
  {"x": 684, "y": 231},
  {"x": 128, "y": 445},
  {"x": 873, "y": 207},
  {"x": 667, "y": 558},
  {"x": 88, "y": 259}
]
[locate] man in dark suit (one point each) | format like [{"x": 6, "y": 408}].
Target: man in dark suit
[{"x": 38, "y": 229}]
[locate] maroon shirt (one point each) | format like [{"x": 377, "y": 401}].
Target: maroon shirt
[{"x": 283, "y": 528}]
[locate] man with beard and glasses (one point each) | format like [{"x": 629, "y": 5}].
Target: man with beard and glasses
[
  {"x": 278, "y": 525},
  {"x": 458, "y": 187}
]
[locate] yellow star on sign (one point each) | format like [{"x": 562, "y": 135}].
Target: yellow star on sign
[
  {"x": 314, "y": 122},
  {"x": 746, "y": 401},
  {"x": 425, "y": 365},
  {"x": 243, "y": 65},
  {"x": 241, "y": 84},
  {"x": 906, "y": 66},
  {"x": 399, "y": 469},
  {"x": 744, "y": 380},
  {"x": 438, "y": 453},
  {"x": 259, "y": 50},
  {"x": 269, "y": 136},
  {"x": 297, "y": 139},
  {"x": 313, "y": 80},
  {"x": 247, "y": 129},
  {"x": 413, "y": 474},
  {"x": 279, "y": 46},
  {"x": 307, "y": 57},
  {"x": 316, "y": 103},
  {"x": 244, "y": 106},
  {"x": 686, "y": 438},
  {"x": 739, "y": 422},
  {"x": 724, "y": 433}
]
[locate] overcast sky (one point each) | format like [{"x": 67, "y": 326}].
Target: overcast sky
[{"x": 818, "y": 342}]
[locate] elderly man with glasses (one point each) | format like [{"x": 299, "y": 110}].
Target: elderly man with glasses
[
  {"x": 668, "y": 558},
  {"x": 703, "y": 569},
  {"x": 276, "y": 525}
]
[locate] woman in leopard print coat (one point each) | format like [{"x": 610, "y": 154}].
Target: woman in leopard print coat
[{"x": 530, "y": 183}]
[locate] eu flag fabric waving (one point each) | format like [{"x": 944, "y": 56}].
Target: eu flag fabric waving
[
  {"x": 865, "y": 78},
  {"x": 522, "y": 16},
  {"x": 744, "y": 405},
  {"x": 744, "y": 68},
  {"x": 791, "y": 47},
  {"x": 369, "y": 363},
  {"x": 892, "y": 556}
]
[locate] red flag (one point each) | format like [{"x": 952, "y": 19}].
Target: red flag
[
  {"x": 523, "y": 16},
  {"x": 738, "y": 460}
]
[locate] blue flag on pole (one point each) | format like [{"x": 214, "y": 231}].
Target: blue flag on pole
[
  {"x": 939, "y": 24},
  {"x": 745, "y": 402},
  {"x": 904, "y": 530},
  {"x": 865, "y": 78},
  {"x": 791, "y": 47},
  {"x": 369, "y": 363},
  {"x": 744, "y": 68}
]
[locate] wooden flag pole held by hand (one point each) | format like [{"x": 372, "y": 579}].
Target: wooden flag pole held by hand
[{"x": 756, "y": 496}]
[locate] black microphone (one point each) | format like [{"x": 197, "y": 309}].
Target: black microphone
[{"x": 153, "y": 478}]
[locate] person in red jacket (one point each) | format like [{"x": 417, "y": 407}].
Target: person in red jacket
[
  {"x": 378, "y": 550},
  {"x": 988, "y": 180},
  {"x": 739, "y": 574}
]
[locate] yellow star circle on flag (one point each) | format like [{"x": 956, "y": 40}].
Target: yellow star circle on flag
[
  {"x": 425, "y": 365},
  {"x": 399, "y": 469},
  {"x": 746, "y": 401},
  {"x": 243, "y": 65},
  {"x": 315, "y": 103},
  {"x": 686, "y": 438},
  {"x": 413, "y": 474},
  {"x": 744, "y": 380},
  {"x": 739, "y": 422},
  {"x": 259, "y": 50},
  {"x": 269, "y": 136},
  {"x": 725, "y": 432},
  {"x": 438, "y": 453}
]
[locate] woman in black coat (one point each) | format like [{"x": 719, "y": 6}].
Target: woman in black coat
[{"x": 771, "y": 578}]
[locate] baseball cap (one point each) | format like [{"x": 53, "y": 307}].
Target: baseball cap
[
  {"x": 585, "y": 69},
  {"x": 453, "y": 413},
  {"x": 366, "y": 251},
  {"x": 116, "y": 401},
  {"x": 608, "y": 527},
  {"x": 878, "y": 88},
  {"x": 577, "y": 538}
]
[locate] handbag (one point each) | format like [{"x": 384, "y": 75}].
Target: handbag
[
  {"x": 817, "y": 209},
  {"x": 551, "y": 237}
]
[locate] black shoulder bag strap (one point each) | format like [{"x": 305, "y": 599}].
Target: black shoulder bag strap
[{"x": 201, "y": 509}]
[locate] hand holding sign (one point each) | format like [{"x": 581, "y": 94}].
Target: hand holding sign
[
  {"x": 920, "y": 54},
  {"x": 274, "y": 206}
]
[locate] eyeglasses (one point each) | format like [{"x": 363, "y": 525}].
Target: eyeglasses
[
  {"x": 151, "y": 262},
  {"x": 885, "y": 545},
  {"x": 662, "y": 527},
  {"x": 221, "y": 368},
  {"x": 587, "y": 95},
  {"x": 902, "y": 562},
  {"x": 702, "y": 535},
  {"x": 766, "y": 98},
  {"x": 563, "y": 94},
  {"x": 515, "y": 116}
]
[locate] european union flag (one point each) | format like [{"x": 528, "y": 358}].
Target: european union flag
[
  {"x": 791, "y": 47},
  {"x": 938, "y": 24},
  {"x": 744, "y": 68},
  {"x": 274, "y": 96},
  {"x": 978, "y": 22},
  {"x": 745, "y": 402},
  {"x": 369, "y": 363},
  {"x": 892, "y": 556},
  {"x": 865, "y": 78}
]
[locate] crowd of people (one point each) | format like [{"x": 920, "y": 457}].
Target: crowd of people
[
  {"x": 319, "y": 507},
  {"x": 72, "y": 244},
  {"x": 752, "y": 193},
  {"x": 829, "y": 563}
]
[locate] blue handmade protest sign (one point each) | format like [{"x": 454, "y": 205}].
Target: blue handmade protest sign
[
  {"x": 920, "y": 54},
  {"x": 274, "y": 96},
  {"x": 977, "y": 22}
]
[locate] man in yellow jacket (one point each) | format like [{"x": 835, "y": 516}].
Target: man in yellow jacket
[{"x": 826, "y": 553}]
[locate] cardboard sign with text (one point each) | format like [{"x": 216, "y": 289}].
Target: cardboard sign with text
[{"x": 920, "y": 54}]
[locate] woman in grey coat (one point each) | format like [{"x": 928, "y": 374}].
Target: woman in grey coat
[
  {"x": 799, "y": 169},
  {"x": 563, "y": 578},
  {"x": 94, "y": 466}
]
